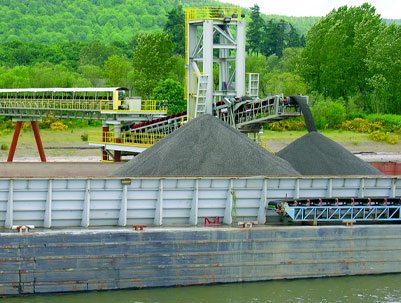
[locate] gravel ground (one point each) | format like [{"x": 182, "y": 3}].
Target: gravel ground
[{"x": 206, "y": 146}]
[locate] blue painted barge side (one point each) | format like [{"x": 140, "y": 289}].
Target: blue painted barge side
[{"x": 83, "y": 260}]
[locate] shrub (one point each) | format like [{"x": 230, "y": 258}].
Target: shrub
[
  {"x": 360, "y": 125},
  {"x": 289, "y": 124},
  {"x": 4, "y": 147},
  {"x": 328, "y": 114},
  {"x": 58, "y": 126},
  {"x": 390, "y": 122},
  {"x": 84, "y": 137},
  {"x": 380, "y": 136}
]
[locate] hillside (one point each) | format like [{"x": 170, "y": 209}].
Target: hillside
[{"x": 88, "y": 20}]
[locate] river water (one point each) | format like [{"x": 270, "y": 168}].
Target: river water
[{"x": 382, "y": 288}]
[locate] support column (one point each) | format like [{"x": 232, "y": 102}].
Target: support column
[
  {"x": 117, "y": 134},
  {"x": 105, "y": 156},
  {"x": 14, "y": 142},
  {"x": 208, "y": 62},
  {"x": 38, "y": 141},
  {"x": 240, "y": 59}
]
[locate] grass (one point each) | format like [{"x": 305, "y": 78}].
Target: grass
[
  {"x": 336, "y": 135},
  {"x": 49, "y": 136},
  {"x": 54, "y": 143}
]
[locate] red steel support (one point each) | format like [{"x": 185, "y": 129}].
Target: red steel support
[
  {"x": 14, "y": 142},
  {"x": 38, "y": 141},
  {"x": 105, "y": 156},
  {"x": 117, "y": 153}
]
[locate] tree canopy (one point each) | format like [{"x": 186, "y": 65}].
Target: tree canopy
[{"x": 351, "y": 52}]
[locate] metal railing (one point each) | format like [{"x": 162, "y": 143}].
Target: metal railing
[
  {"x": 125, "y": 138},
  {"x": 212, "y": 13},
  {"x": 99, "y": 105},
  {"x": 133, "y": 106},
  {"x": 56, "y": 104}
]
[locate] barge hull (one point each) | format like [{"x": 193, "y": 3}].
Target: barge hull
[{"x": 84, "y": 260}]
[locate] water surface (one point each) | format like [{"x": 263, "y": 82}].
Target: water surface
[{"x": 382, "y": 288}]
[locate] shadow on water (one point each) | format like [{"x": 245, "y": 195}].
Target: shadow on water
[{"x": 382, "y": 288}]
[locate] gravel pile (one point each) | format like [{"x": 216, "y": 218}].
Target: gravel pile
[
  {"x": 206, "y": 146},
  {"x": 301, "y": 101},
  {"x": 315, "y": 154}
]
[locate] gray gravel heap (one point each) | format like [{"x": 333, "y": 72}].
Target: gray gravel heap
[
  {"x": 206, "y": 146},
  {"x": 315, "y": 154}
]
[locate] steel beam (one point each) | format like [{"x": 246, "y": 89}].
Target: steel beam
[
  {"x": 38, "y": 141},
  {"x": 14, "y": 142}
]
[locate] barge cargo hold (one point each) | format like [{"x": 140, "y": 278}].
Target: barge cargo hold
[
  {"x": 93, "y": 257},
  {"x": 61, "y": 261}
]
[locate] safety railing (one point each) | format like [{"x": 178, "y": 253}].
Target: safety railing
[
  {"x": 101, "y": 105},
  {"x": 212, "y": 13},
  {"x": 125, "y": 138},
  {"x": 56, "y": 104},
  {"x": 138, "y": 106}
]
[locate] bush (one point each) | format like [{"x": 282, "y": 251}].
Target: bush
[
  {"x": 328, "y": 114},
  {"x": 360, "y": 125},
  {"x": 58, "y": 126},
  {"x": 84, "y": 137},
  {"x": 4, "y": 147},
  {"x": 380, "y": 136},
  {"x": 289, "y": 124},
  {"x": 390, "y": 122}
]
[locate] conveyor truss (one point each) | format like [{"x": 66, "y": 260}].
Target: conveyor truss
[{"x": 340, "y": 209}]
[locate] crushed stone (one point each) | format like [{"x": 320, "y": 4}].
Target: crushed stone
[
  {"x": 315, "y": 154},
  {"x": 206, "y": 146}
]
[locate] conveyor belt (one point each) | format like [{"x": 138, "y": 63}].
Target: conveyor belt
[{"x": 340, "y": 209}]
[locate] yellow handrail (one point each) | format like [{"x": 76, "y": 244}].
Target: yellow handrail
[
  {"x": 212, "y": 13},
  {"x": 125, "y": 138},
  {"x": 83, "y": 104}
]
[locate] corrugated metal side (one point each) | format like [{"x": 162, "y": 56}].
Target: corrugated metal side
[
  {"x": 89, "y": 260},
  {"x": 72, "y": 202}
]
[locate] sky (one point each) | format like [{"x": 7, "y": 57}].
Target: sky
[{"x": 389, "y": 9}]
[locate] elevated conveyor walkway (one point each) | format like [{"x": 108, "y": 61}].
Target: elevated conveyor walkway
[
  {"x": 108, "y": 104},
  {"x": 75, "y": 103}
]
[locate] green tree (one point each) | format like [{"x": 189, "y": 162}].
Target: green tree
[
  {"x": 116, "y": 71},
  {"x": 255, "y": 30},
  {"x": 92, "y": 73},
  {"x": 286, "y": 83},
  {"x": 384, "y": 65},
  {"x": 173, "y": 92},
  {"x": 333, "y": 60},
  {"x": 175, "y": 26},
  {"x": 152, "y": 61},
  {"x": 96, "y": 53}
]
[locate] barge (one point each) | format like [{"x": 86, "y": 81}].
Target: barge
[{"x": 83, "y": 239}]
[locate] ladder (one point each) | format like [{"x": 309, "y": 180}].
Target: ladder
[
  {"x": 197, "y": 102},
  {"x": 253, "y": 85},
  {"x": 200, "y": 107}
]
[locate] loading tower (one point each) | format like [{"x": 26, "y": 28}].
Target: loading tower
[{"x": 214, "y": 36}]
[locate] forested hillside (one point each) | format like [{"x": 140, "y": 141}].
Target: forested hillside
[{"x": 88, "y": 20}]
